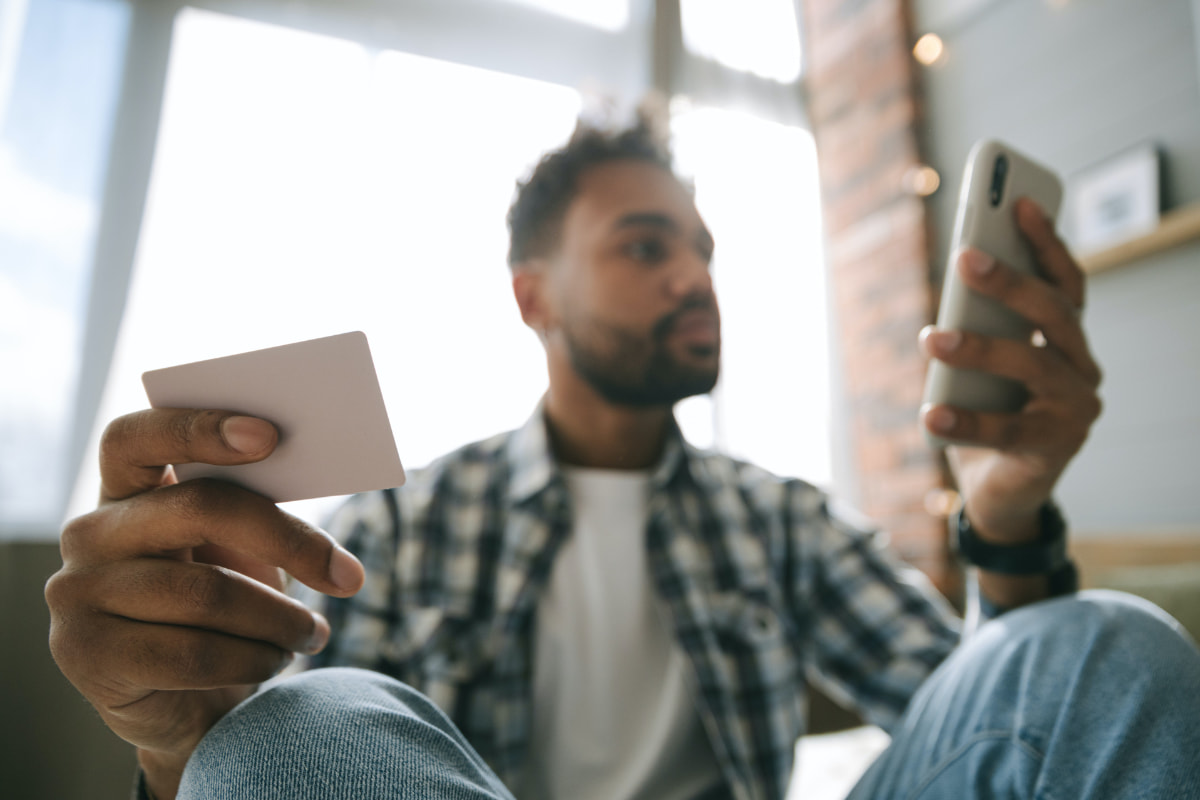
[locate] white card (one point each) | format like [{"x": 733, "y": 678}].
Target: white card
[{"x": 322, "y": 395}]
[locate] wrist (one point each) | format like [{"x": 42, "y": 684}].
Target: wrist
[
  {"x": 1012, "y": 526},
  {"x": 1043, "y": 553},
  {"x": 1014, "y": 573}
]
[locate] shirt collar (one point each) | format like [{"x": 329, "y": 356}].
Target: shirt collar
[{"x": 534, "y": 469}]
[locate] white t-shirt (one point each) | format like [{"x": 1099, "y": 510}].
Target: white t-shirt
[{"x": 614, "y": 717}]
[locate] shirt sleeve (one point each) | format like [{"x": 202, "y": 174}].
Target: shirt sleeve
[{"x": 878, "y": 626}]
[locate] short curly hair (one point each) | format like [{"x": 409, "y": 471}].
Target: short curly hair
[{"x": 536, "y": 215}]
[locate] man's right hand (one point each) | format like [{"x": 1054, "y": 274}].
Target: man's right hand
[{"x": 169, "y": 607}]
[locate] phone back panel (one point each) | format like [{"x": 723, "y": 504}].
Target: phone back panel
[{"x": 992, "y": 229}]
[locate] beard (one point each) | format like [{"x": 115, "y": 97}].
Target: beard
[{"x": 631, "y": 369}]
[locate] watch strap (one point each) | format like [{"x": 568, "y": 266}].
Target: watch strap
[{"x": 1046, "y": 555}]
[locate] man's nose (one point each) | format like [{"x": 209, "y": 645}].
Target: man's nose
[{"x": 690, "y": 276}]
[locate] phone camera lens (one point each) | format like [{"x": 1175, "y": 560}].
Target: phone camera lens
[{"x": 999, "y": 173}]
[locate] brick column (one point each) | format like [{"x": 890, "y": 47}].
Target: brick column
[{"x": 864, "y": 106}]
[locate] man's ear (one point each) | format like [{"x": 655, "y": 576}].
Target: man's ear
[{"x": 530, "y": 290}]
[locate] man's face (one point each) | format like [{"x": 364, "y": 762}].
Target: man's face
[{"x": 630, "y": 283}]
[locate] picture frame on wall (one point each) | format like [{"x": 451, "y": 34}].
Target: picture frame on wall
[{"x": 1117, "y": 199}]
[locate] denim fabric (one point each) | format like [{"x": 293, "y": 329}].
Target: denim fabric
[
  {"x": 337, "y": 733},
  {"x": 1092, "y": 696}
]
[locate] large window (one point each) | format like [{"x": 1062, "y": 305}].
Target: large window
[{"x": 312, "y": 174}]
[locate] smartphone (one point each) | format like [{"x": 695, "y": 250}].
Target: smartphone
[{"x": 996, "y": 176}]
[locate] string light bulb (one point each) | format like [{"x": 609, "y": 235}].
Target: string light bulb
[
  {"x": 922, "y": 180},
  {"x": 942, "y": 502},
  {"x": 929, "y": 49}
]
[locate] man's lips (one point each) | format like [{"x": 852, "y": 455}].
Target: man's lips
[{"x": 698, "y": 326}]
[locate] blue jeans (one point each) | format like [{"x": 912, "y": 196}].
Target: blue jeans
[{"x": 1092, "y": 696}]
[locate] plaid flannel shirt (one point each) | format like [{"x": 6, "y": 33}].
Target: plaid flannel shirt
[{"x": 764, "y": 588}]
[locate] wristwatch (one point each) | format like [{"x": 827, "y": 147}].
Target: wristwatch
[{"x": 1047, "y": 555}]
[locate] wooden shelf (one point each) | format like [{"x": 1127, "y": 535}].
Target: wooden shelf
[{"x": 1176, "y": 227}]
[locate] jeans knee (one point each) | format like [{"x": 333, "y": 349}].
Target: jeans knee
[
  {"x": 328, "y": 727},
  {"x": 1089, "y": 687},
  {"x": 293, "y": 713},
  {"x": 1096, "y": 613},
  {"x": 1106, "y": 627},
  {"x": 317, "y": 697}
]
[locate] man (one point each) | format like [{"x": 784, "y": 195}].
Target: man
[{"x": 603, "y": 611}]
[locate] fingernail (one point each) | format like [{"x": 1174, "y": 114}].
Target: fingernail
[
  {"x": 320, "y": 635},
  {"x": 978, "y": 262},
  {"x": 941, "y": 419},
  {"x": 247, "y": 435},
  {"x": 344, "y": 570}
]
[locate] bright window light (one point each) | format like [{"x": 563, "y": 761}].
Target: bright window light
[
  {"x": 304, "y": 187},
  {"x": 609, "y": 15},
  {"x": 756, "y": 186},
  {"x": 758, "y": 36}
]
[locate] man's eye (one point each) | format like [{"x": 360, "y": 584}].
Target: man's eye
[{"x": 648, "y": 251}]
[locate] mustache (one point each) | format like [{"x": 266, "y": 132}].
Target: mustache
[{"x": 663, "y": 326}]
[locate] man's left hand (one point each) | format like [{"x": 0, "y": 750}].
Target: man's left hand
[{"x": 1007, "y": 464}]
